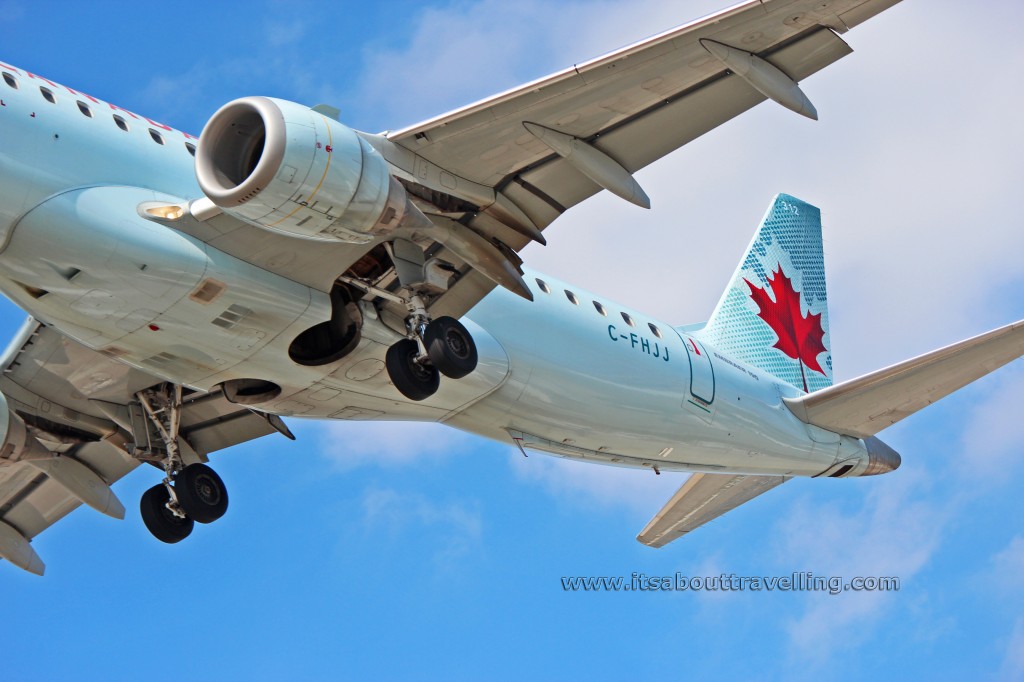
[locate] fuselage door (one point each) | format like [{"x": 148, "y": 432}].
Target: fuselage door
[{"x": 702, "y": 374}]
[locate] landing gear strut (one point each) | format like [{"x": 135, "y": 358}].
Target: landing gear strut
[{"x": 188, "y": 494}]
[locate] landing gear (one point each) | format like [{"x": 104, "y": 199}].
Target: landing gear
[
  {"x": 431, "y": 347},
  {"x": 414, "y": 378},
  {"x": 189, "y": 493},
  {"x": 441, "y": 346},
  {"x": 450, "y": 347},
  {"x": 164, "y": 524},
  {"x": 201, "y": 493}
]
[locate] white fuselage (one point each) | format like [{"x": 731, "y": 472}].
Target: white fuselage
[{"x": 554, "y": 374}]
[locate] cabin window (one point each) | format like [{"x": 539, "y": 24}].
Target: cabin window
[
  {"x": 628, "y": 319},
  {"x": 572, "y": 297},
  {"x": 10, "y": 80},
  {"x": 654, "y": 330},
  {"x": 191, "y": 148},
  {"x": 121, "y": 123},
  {"x": 543, "y": 286},
  {"x": 84, "y": 108},
  {"x": 600, "y": 308},
  {"x": 48, "y": 95},
  {"x": 157, "y": 137}
]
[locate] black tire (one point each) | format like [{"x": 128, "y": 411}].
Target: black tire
[
  {"x": 451, "y": 347},
  {"x": 201, "y": 493},
  {"x": 414, "y": 380},
  {"x": 165, "y": 526}
]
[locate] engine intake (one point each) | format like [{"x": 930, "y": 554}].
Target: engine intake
[{"x": 285, "y": 167}]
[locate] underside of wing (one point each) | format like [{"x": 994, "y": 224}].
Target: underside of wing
[
  {"x": 74, "y": 427},
  {"x": 703, "y": 498},
  {"x": 506, "y": 167},
  {"x": 864, "y": 406}
]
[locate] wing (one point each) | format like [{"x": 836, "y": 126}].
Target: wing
[
  {"x": 703, "y": 498},
  {"x": 864, "y": 406},
  {"x": 506, "y": 167},
  {"x": 78, "y": 405}
]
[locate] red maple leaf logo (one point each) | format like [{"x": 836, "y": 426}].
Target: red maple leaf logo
[{"x": 801, "y": 338}]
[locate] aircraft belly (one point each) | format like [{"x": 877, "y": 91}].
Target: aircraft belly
[{"x": 578, "y": 390}]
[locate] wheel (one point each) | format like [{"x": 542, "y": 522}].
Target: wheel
[
  {"x": 414, "y": 380},
  {"x": 165, "y": 526},
  {"x": 451, "y": 347},
  {"x": 201, "y": 493}
]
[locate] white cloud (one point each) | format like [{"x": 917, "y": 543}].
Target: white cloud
[
  {"x": 456, "y": 527},
  {"x": 1013, "y": 661},
  {"x": 992, "y": 436},
  {"x": 352, "y": 444},
  {"x": 893, "y": 532},
  {"x": 1008, "y": 565}
]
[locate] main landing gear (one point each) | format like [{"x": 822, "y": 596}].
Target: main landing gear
[
  {"x": 189, "y": 493},
  {"x": 433, "y": 347}
]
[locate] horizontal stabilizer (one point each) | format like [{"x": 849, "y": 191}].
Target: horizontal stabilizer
[
  {"x": 703, "y": 498},
  {"x": 864, "y": 406}
]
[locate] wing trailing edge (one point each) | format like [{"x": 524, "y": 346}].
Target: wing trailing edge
[{"x": 864, "y": 406}]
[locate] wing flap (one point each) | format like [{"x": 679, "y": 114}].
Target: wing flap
[
  {"x": 703, "y": 498},
  {"x": 864, "y": 406}
]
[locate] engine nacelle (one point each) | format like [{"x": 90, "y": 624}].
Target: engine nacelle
[
  {"x": 285, "y": 167},
  {"x": 16, "y": 443}
]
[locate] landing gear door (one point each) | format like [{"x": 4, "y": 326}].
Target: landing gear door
[{"x": 702, "y": 377}]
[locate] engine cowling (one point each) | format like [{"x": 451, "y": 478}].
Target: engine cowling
[
  {"x": 285, "y": 167},
  {"x": 16, "y": 443}
]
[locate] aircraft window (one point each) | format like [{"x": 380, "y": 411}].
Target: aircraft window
[
  {"x": 628, "y": 319},
  {"x": 572, "y": 297},
  {"x": 191, "y": 148},
  {"x": 121, "y": 123},
  {"x": 48, "y": 95},
  {"x": 84, "y": 108},
  {"x": 157, "y": 137},
  {"x": 654, "y": 330},
  {"x": 600, "y": 309},
  {"x": 10, "y": 80},
  {"x": 544, "y": 286}
]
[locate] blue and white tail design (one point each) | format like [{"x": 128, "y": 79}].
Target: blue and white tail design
[{"x": 774, "y": 315}]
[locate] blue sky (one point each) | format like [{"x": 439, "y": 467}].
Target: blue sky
[{"x": 413, "y": 552}]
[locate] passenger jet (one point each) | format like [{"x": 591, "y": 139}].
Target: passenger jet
[{"x": 187, "y": 293}]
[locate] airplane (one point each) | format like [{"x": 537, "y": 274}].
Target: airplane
[{"x": 187, "y": 293}]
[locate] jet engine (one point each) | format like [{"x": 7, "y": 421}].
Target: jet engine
[
  {"x": 16, "y": 443},
  {"x": 285, "y": 167}
]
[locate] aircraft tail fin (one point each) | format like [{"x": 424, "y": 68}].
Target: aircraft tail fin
[{"x": 774, "y": 314}]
